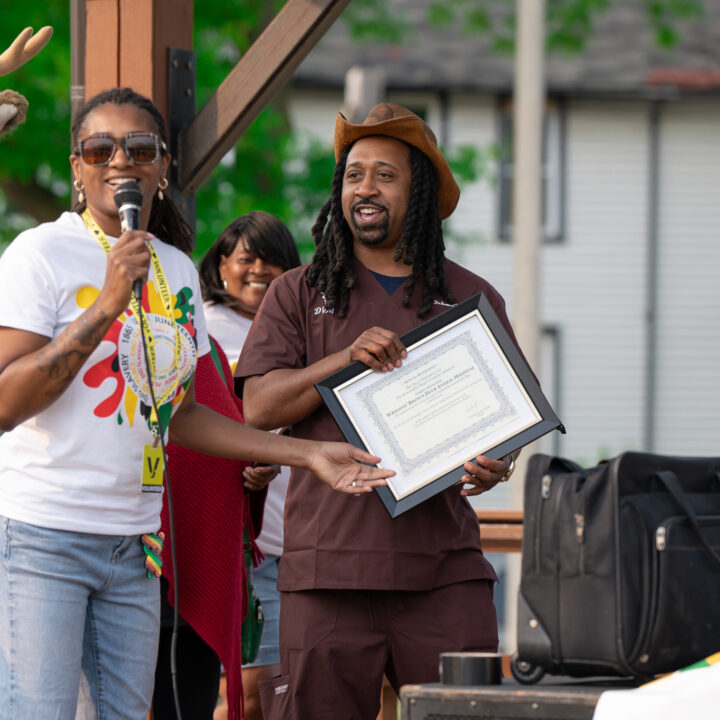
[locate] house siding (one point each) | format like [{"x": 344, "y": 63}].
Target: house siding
[
  {"x": 593, "y": 283},
  {"x": 687, "y": 419}
]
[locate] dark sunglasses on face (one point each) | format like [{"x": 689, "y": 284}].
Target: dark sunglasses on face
[{"x": 142, "y": 148}]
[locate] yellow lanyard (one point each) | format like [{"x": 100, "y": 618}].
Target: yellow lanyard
[{"x": 166, "y": 298}]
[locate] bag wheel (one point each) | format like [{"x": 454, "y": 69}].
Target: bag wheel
[{"x": 525, "y": 672}]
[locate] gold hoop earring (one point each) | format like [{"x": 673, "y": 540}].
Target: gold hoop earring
[
  {"x": 80, "y": 189},
  {"x": 162, "y": 185}
]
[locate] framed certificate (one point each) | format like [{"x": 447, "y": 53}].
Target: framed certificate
[{"x": 464, "y": 390}]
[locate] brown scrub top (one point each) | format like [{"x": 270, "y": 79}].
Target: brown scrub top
[{"x": 339, "y": 541}]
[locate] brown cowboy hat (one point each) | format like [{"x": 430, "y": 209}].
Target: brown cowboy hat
[{"x": 398, "y": 122}]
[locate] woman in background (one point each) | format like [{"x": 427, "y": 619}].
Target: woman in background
[{"x": 235, "y": 274}]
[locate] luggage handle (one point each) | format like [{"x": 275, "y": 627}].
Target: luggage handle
[
  {"x": 557, "y": 463},
  {"x": 670, "y": 481}
]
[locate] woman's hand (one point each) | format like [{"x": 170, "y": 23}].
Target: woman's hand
[
  {"x": 378, "y": 348},
  {"x": 256, "y": 477},
  {"x": 339, "y": 466},
  {"x": 127, "y": 261},
  {"x": 484, "y": 473}
]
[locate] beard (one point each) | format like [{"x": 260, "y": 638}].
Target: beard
[{"x": 374, "y": 234}]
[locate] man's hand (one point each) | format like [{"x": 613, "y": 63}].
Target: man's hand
[
  {"x": 378, "y": 348},
  {"x": 256, "y": 477},
  {"x": 484, "y": 473},
  {"x": 339, "y": 466}
]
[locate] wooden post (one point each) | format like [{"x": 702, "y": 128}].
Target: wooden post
[{"x": 127, "y": 42}]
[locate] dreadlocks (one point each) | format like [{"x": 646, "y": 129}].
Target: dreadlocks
[{"x": 420, "y": 245}]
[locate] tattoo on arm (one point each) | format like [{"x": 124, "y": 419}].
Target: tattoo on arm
[{"x": 63, "y": 357}]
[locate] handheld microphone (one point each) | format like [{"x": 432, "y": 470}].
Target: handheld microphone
[{"x": 128, "y": 200}]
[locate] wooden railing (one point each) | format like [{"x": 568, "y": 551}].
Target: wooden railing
[{"x": 501, "y": 530}]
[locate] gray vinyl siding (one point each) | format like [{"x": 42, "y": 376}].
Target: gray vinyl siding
[{"x": 688, "y": 388}]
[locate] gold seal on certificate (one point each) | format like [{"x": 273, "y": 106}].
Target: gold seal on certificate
[{"x": 464, "y": 390}]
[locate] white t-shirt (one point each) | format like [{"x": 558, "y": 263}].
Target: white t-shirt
[
  {"x": 230, "y": 329},
  {"x": 78, "y": 464},
  {"x": 270, "y": 540}
]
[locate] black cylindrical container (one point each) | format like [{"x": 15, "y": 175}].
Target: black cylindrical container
[{"x": 470, "y": 668}]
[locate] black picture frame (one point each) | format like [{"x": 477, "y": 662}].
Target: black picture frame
[{"x": 477, "y": 306}]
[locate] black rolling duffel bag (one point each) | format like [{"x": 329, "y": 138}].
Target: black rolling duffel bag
[{"x": 620, "y": 566}]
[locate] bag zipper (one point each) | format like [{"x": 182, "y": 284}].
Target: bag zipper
[
  {"x": 648, "y": 585},
  {"x": 580, "y": 534},
  {"x": 661, "y": 538},
  {"x": 662, "y": 533},
  {"x": 545, "y": 493},
  {"x": 580, "y": 528},
  {"x": 546, "y": 486}
]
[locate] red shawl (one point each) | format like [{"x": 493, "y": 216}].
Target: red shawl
[{"x": 209, "y": 516}]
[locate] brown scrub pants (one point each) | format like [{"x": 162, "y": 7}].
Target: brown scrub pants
[{"x": 335, "y": 645}]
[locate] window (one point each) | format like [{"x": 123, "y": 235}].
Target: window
[
  {"x": 553, "y": 170},
  {"x": 549, "y": 375}
]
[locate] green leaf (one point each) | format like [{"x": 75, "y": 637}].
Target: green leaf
[
  {"x": 470, "y": 163},
  {"x": 477, "y": 20},
  {"x": 439, "y": 14},
  {"x": 666, "y": 36}
]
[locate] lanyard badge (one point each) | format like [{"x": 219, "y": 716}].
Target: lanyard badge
[{"x": 153, "y": 468}]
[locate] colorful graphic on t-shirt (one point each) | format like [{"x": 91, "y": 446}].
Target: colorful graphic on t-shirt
[{"x": 125, "y": 362}]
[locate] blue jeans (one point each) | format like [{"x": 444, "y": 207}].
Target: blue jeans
[
  {"x": 79, "y": 624},
  {"x": 264, "y": 578}
]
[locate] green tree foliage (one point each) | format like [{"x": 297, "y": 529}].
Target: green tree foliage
[
  {"x": 569, "y": 23},
  {"x": 34, "y": 169}
]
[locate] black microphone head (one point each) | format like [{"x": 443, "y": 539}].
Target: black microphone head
[{"x": 128, "y": 193}]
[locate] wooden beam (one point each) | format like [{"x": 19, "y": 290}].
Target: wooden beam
[{"x": 250, "y": 86}]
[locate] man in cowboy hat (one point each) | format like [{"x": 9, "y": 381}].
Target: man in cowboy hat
[{"x": 362, "y": 593}]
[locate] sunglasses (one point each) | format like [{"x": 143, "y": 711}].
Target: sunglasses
[{"x": 143, "y": 148}]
